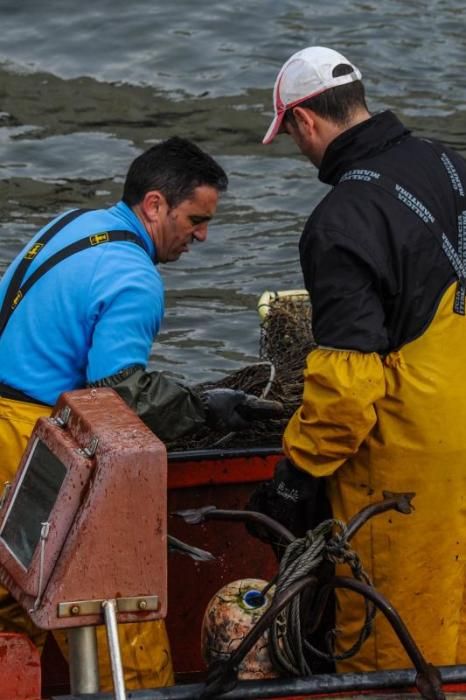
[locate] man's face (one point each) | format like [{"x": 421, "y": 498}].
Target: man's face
[
  {"x": 308, "y": 133},
  {"x": 178, "y": 227},
  {"x": 302, "y": 140}
]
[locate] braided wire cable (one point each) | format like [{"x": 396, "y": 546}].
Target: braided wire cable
[{"x": 287, "y": 642}]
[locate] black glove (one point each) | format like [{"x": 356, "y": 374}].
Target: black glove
[
  {"x": 221, "y": 409},
  {"x": 292, "y": 498}
]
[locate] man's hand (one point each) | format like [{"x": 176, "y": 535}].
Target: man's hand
[
  {"x": 221, "y": 407},
  {"x": 290, "y": 498},
  {"x": 228, "y": 409}
]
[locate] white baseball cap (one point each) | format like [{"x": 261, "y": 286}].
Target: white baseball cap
[{"x": 306, "y": 74}]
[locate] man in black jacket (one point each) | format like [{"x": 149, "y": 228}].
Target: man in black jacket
[{"x": 384, "y": 260}]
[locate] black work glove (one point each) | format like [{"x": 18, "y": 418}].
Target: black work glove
[
  {"x": 291, "y": 498},
  {"x": 221, "y": 406},
  {"x": 230, "y": 409}
]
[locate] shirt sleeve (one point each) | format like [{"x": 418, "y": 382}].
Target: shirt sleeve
[
  {"x": 345, "y": 283},
  {"x": 126, "y": 305},
  {"x": 337, "y": 412},
  {"x": 168, "y": 408}
]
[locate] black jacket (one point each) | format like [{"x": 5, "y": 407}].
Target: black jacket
[{"x": 374, "y": 270}]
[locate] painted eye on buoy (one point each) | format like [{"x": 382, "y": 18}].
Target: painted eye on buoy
[{"x": 254, "y": 599}]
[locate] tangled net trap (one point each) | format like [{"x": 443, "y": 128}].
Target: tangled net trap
[{"x": 285, "y": 341}]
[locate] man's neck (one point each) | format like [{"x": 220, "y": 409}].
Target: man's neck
[{"x": 333, "y": 130}]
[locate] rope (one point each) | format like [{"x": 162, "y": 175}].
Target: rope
[{"x": 289, "y": 650}]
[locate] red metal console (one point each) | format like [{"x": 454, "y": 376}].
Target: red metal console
[{"x": 85, "y": 520}]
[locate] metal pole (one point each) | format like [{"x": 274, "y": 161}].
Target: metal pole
[
  {"x": 84, "y": 668},
  {"x": 110, "y": 608}
]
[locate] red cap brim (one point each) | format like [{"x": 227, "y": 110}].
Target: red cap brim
[{"x": 274, "y": 127}]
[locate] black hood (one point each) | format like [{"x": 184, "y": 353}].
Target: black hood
[{"x": 361, "y": 141}]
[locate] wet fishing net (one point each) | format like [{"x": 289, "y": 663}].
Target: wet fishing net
[{"x": 285, "y": 341}]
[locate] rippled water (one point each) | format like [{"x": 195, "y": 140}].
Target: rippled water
[{"x": 84, "y": 87}]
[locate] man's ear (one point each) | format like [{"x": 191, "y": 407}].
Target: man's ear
[
  {"x": 152, "y": 204},
  {"x": 304, "y": 120}
]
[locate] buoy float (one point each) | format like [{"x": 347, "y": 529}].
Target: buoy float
[
  {"x": 267, "y": 298},
  {"x": 229, "y": 616}
]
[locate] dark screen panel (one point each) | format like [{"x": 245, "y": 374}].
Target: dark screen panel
[{"x": 33, "y": 503}]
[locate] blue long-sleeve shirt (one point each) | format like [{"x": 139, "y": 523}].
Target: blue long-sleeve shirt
[{"x": 90, "y": 316}]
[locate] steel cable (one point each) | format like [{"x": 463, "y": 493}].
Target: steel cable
[{"x": 289, "y": 649}]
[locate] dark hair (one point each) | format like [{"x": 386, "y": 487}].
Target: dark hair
[
  {"x": 174, "y": 167},
  {"x": 339, "y": 103}
]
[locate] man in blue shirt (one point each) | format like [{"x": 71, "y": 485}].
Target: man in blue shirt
[{"x": 81, "y": 306}]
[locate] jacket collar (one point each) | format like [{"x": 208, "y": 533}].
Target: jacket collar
[{"x": 366, "y": 139}]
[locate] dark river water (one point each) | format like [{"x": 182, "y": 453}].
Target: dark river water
[{"x": 85, "y": 86}]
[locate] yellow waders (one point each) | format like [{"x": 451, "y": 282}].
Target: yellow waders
[
  {"x": 396, "y": 423},
  {"x": 144, "y": 646}
]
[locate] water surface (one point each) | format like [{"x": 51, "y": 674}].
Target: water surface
[{"x": 85, "y": 87}]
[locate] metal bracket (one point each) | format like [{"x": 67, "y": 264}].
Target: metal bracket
[
  {"x": 5, "y": 492},
  {"x": 90, "y": 450},
  {"x": 92, "y": 447},
  {"x": 76, "y": 608},
  {"x": 62, "y": 417}
]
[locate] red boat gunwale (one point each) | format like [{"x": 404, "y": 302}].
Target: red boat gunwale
[{"x": 228, "y": 466}]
